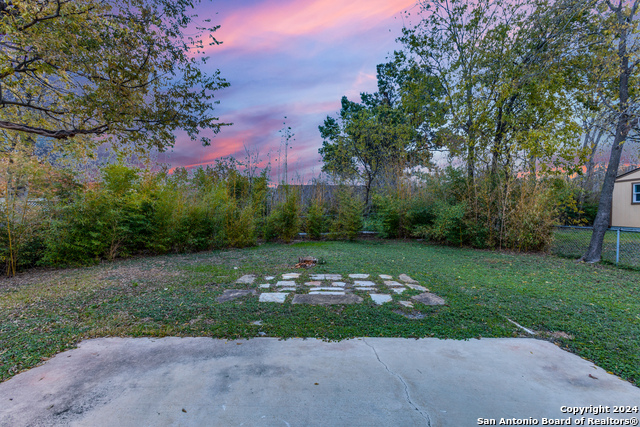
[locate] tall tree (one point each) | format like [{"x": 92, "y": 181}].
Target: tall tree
[
  {"x": 618, "y": 33},
  {"x": 366, "y": 139},
  {"x": 500, "y": 111},
  {"x": 74, "y": 70}
]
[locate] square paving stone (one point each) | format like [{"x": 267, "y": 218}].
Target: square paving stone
[
  {"x": 341, "y": 284},
  {"x": 269, "y": 277},
  {"x": 315, "y": 283},
  {"x": 326, "y": 277},
  {"x": 359, "y": 276},
  {"x": 288, "y": 276},
  {"x": 385, "y": 276},
  {"x": 366, "y": 283},
  {"x": 393, "y": 283},
  {"x": 231, "y": 294},
  {"x": 247, "y": 279},
  {"x": 286, "y": 283},
  {"x": 278, "y": 297},
  {"x": 264, "y": 285},
  {"x": 363, "y": 288},
  {"x": 326, "y": 288},
  {"x": 380, "y": 298},
  {"x": 327, "y": 293},
  {"x": 407, "y": 279},
  {"x": 429, "y": 299},
  {"x": 319, "y": 299}
]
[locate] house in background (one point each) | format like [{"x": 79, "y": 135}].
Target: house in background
[{"x": 625, "y": 210}]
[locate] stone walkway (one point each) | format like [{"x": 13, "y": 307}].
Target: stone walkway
[{"x": 326, "y": 289}]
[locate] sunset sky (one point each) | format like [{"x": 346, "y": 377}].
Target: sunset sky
[{"x": 294, "y": 59}]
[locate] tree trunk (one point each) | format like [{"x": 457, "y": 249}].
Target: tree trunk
[{"x": 603, "y": 217}]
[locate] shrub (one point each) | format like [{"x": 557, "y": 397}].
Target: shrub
[
  {"x": 240, "y": 229},
  {"x": 315, "y": 222},
  {"x": 448, "y": 224},
  {"x": 348, "y": 220},
  {"x": 284, "y": 220}
]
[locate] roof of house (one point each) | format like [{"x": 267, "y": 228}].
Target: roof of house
[{"x": 628, "y": 173}]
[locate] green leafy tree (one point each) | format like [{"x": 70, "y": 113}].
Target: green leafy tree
[
  {"x": 618, "y": 22},
  {"x": 126, "y": 71},
  {"x": 503, "y": 107},
  {"x": 366, "y": 139}
]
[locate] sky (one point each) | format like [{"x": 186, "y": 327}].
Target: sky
[{"x": 293, "y": 59}]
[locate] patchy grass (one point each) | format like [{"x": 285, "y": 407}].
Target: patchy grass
[{"x": 593, "y": 311}]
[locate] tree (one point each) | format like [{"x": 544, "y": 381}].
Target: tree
[
  {"x": 367, "y": 139},
  {"x": 619, "y": 32},
  {"x": 82, "y": 72},
  {"x": 505, "y": 108}
]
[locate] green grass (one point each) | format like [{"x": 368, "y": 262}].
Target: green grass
[{"x": 593, "y": 311}]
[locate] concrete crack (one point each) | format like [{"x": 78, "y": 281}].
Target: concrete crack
[{"x": 406, "y": 387}]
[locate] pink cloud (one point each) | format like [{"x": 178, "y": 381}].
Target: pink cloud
[{"x": 266, "y": 26}]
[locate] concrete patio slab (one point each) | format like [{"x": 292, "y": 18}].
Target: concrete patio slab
[{"x": 296, "y": 382}]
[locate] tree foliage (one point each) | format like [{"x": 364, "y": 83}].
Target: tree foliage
[
  {"x": 71, "y": 70},
  {"x": 505, "y": 108},
  {"x": 385, "y": 133}
]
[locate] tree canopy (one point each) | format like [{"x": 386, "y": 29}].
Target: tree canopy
[
  {"x": 505, "y": 108},
  {"x": 383, "y": 134},
  {"x": 74, "y": 70}
]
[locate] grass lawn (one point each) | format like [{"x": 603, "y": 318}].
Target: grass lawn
[{"x": 593, "y": 311}]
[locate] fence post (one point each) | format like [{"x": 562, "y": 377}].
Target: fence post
[{"x": 618, "y": 248}]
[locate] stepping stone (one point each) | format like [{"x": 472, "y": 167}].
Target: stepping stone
[
  {"x": 407, "y": 279},
  {"x": 316, "y": 283},
  {"x": 362, "y": 288},
  {"x": 429, "y": 299},
  {"x": 326, "y": 293},
  {"x": 264, "y": 285},
  {"x": 408, "y": 304},
  {"x": 341, "y": 284},
  {"x": 288, "y": 276},
  {"x": 231, "y": 294},
  {"x": 287, "y": 289},
  {"x": 286, "y": 283},
  {"x": 385, "y": 276},
  {"x": 359, "y": 276},
  {"x": 398, "y": 290},
  {"x": 365, "y": 283},
  {"x": 278, "y": 297},
  {"x": 320, "y": 299},
  {"x": 417, "y": 287},
  {"x": 269, "y": 277},
  {"x": 327, "y": 289},
  {"x": 326, "y": 277},
  {"x": 380, "y": 298},
  {"x": 393, "y": 283},
  {"x": 257, "y": 323},
  {"x": 247, "y": 279}
]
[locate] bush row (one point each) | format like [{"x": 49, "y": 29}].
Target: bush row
[{"x": 128, "y": 212}]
